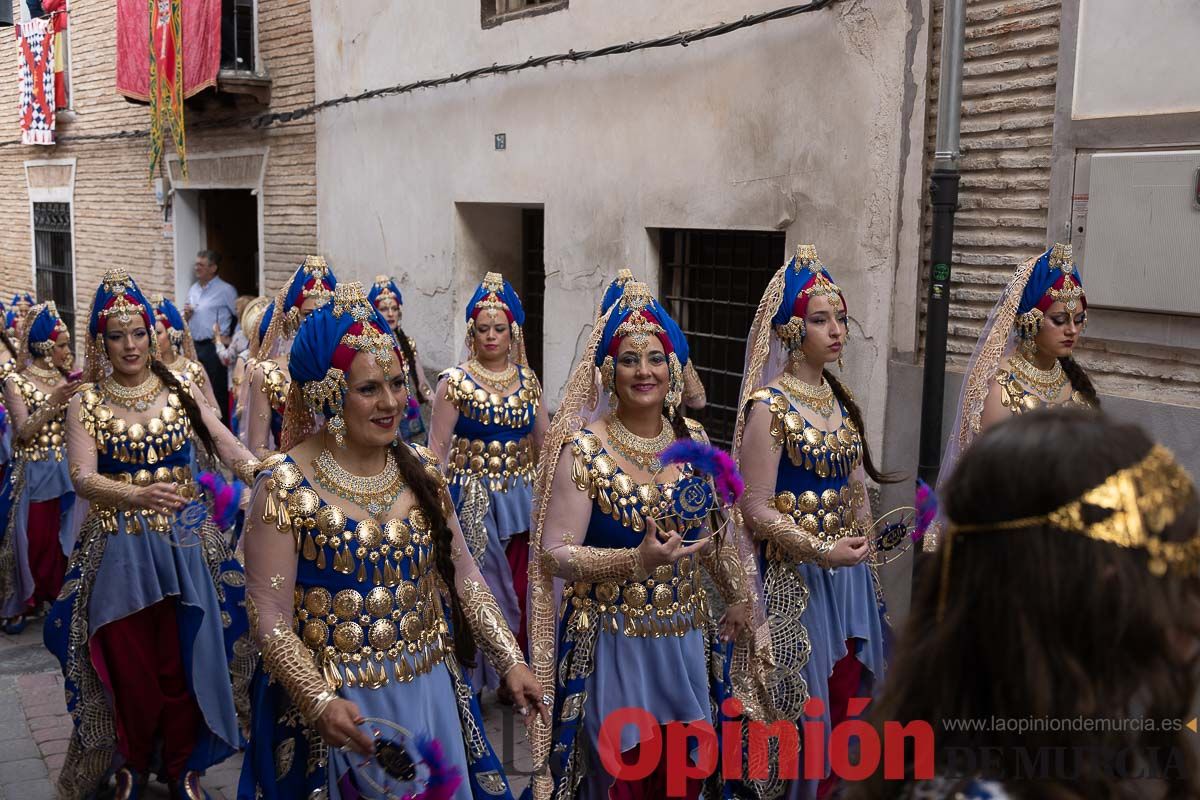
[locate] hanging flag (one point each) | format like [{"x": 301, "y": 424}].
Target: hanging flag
[
  {"x": 166, "y": 80},
  {"x": 35, "y": 49},
  {"x": 57, "y": 9}
]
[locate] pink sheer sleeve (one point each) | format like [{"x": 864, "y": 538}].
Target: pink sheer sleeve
[{"x": 442, "y": 421}]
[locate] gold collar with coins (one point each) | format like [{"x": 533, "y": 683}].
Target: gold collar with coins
[
  {"x": 1024, "y": 387},
  {"x": 1130, "y": 510},
  {"x": 146, "y": 442},
  {"x": 827, "y": 453},
  {"x": 50, "y": 441},
  {"x": 517, "y": 410},
  {"x": 389, "y": 628},
  {"x": 671, "y": 602},
  {"x": 500, "y": 464}
]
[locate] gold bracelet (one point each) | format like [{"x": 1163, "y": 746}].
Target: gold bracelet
[
  {"x": 103, "y": 491},
  {"x": 596, "y": 564},
  {"x": 246, "y": 469},
  {"x": 797, "y": 545}
]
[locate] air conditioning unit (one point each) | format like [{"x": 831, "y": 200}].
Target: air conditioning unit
[{"x": 1136, "y": 226}]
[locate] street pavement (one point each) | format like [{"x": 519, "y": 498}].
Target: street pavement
[{"x": 35, "y": 728}]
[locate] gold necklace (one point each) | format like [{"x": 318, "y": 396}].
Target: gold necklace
[
  {"x": 375, "y": 493},
  {"x": 50, "y": 376},
  {"x": 500, "y": 381},
  {"x": 818, "y": 399},
  {"x": 638, "y": 449},
  {"x": 136, "y": 398},
  {"x": 1045, "y": 383}
]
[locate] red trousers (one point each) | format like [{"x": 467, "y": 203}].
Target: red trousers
[
  {"x": 653, "y": 786},
  {"x": 844, "y": 683},
  {"x": 46, "y": 559},
  {"x": 517, "y": 553},
  {"x": 139, "y": 656}
]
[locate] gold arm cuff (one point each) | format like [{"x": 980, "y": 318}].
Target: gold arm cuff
[
  {"x": 246, "y": 468},
  {"x": 288, "y": 661},
  {"x": 797, "y": 545},
  {"x": 489, "y": 627},
  {"x": 727, "y": 571},
  {"x": 596, "y": 564},
  {"x": 104, "y": 491}
]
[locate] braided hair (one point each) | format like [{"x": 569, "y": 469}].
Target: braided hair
[
  {"x": 188, "y": 402},
  {"x": 847, "y": 400},
  {"x": 429, "y": 498},
  {"x": 410, "y": 358},
  {"x": 1080, "y": 381}
]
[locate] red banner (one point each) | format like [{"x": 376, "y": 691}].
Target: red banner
[
  {"x": 201, "y": 39},
  {"x": 35, "y": 49}
]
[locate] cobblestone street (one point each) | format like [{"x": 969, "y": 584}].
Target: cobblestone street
[{"x": 35, "y": 728}]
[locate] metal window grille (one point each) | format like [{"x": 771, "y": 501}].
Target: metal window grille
[
  {"x": 712, "y": 282},
  {"x": 237, "y": 35},
  {"x": 54, "y": 272},
  {"x": 533, "y": 283},
  {"x": 511, "y": 6},
  {"x": 494, "y": 12}
]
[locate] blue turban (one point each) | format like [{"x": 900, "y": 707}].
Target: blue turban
[
  {"x": 1052, "y": 271},
  {"x": 170, "y": 314},
  {"x": 20, "y": 297},
  {"x": 118, "y": 293},
  {"x": 10, "y": 318},
  {"x": 803, "y": 274},
  {"x": 498, "y": 294},
  {"x": 615, "y": 290},
  {"x": 317, "y": 348},
  {"x": 314, "y": 275},
  {"x": 383, "y": 284},
  {"x": 44, "y": 326},
  {"x": 636, "y": 299}
]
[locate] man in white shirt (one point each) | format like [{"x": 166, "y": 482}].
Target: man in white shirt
[{"x": 211, "y": 301}]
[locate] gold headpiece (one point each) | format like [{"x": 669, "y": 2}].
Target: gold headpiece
[
  {"x": 793, "y": 331},
  {"x": 43, "y": 347},
  {"x": 624, "y": 276},
  {"x": 493, "y": 284},
  {"x": 117, "y": 282},
  {"x": 1141, "y": 501},
  {"x": 384, "y": 284},
  {"x": 350, "y": 298},
  {"x": 315, "y": 267},
  {"x": 1061, "y": 257},
  {"x": 806, "y": 256}
]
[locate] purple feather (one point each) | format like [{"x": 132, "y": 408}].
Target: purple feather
[
  {"x": 224, "y": 498},
  {"x": 708, "y": 460},
  {"x": 927, "y": 509},
  {"x": 444, "y": 779}
]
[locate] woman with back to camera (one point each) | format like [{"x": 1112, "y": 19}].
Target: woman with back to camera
[{"x": 1094, "y": 617}]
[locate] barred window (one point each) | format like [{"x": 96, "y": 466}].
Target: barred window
[
  {"x": 495, "y": 12},
  {"x": 54, "y": 271}
]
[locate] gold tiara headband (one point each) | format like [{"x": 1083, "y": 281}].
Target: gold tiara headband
[{"x": 1141, "y": 502}]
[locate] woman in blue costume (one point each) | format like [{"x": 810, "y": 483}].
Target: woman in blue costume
[
  {"x": 633, "y": 628},
  {"x": 37, "y": 493},
  {"x": 17, "y": 310},
  {"x": 365, "y": 597},
  {"x": 801, "y": 448},
  {"x": 310, "y": 286},
  {"x": 487, "y": 428},
  {"x": 150, "y": 626},
  {"x": 385, "y": 296},
  {"x": 178, "y": 351},
  {"x": 1024, "y": 358}
]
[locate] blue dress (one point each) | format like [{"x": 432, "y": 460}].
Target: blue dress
[
  {"x": 814, "y": 611},
  {"x": 646, "y": 644},
  {"x": 490, "y": 466},
  {"x": 367, "y": 604},
  {"x": 129, "y": 560}
]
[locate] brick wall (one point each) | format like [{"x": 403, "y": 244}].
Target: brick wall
[
  {"x": 1010, "y": 61},
  {"x": 116, "y": 218}
]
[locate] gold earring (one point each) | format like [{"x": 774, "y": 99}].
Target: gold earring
[
  {"x": 609, "y": 381},
  {"x": 337, "y": 427}
]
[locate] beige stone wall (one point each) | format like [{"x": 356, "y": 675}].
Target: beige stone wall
[
  {"x": 115, "y": 216},
  {"x": 1010, "y": 62}
]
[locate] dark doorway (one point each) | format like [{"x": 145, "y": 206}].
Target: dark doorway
[
  {"x": 712, "y": 282},
  {"x": 533, "y": 282},
  {"x": 231, "y": 228}
]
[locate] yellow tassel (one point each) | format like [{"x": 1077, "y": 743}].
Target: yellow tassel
[
  {"x": 362, "y": 571},
  {"x": 321, "y": 558},
  {"x": 310, "y": 547}
]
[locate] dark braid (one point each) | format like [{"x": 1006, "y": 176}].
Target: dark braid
[
  {"x": 189, "y": 404},
  {"x": 1080, "y": 381},
  {"x": 429, "y": 499},
  {"x": 679, "y": 426},
  {"x": 410, "y": 358},
  {"x": 843, "y": 396}
]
